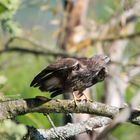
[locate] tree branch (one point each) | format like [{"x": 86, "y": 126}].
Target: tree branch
[
  {"x": 35, "y": 51},
  {"x": 123, "y": 116},
  {"x": 10, "y": 109},
  {"x": 39, "y": 50},
  {"x": 69, "y": 130},
  {"x": 119, "y": 37}
]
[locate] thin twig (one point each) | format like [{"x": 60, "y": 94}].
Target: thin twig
[
  {"x": 122, "y": 117},
  {"x": 54, "y": 127},
  {"x": 39, "y": 49},
  {"x": 119, "y": 37},
  {"x": 35, "y": 52}
]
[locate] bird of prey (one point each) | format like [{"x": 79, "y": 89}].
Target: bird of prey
[{"x": 70, "y": 75}]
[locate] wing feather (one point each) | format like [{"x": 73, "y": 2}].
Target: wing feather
[{"x": 50, "y": 79}]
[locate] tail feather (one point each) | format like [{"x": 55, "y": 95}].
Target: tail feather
[
  {"x": 39, "y": 77},
  {"x": 56, "y": 93},
  {"x": 42, "y": 80},
  {"x": 43, "y": 75}
]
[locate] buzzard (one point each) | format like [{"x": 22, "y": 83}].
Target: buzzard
[{"x": 72, "y": 75}]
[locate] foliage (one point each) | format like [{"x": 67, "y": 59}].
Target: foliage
[
  {"x": 2, "y": 80},
  {"x": 8, "y": 9},
  {"x": 9, "y": 130},
  {"x": 19, "y": 87}
]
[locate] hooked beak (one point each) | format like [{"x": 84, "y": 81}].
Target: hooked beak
[{"x": 106, "y": 59}]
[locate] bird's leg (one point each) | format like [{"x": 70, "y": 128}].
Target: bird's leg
[
  {"x": 76, "y": 98},
  {"x": 87, "y": 98}
]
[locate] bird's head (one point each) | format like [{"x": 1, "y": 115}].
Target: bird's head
[
  {"x": 100, "y": 60},
  {"x": 99, "y": 64}
]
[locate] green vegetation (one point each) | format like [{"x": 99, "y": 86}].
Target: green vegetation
[{"x": 18, "y": 69}]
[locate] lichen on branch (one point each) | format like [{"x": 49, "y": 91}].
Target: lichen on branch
[{"x": 13, "y": 108}]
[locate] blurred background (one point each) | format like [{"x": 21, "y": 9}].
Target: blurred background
[{"x": 35, "y": 33}]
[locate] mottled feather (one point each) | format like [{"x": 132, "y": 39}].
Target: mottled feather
[{"x": 71, "y": 74}]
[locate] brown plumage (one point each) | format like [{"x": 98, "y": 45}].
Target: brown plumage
[{"x": 71, "y": 74}]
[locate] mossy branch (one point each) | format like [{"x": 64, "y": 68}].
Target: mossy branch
[{"x": 13, "y": 108}]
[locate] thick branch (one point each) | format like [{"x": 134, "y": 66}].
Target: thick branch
[
  {"x": 10, "y": 109},
  {"x": 69, "y": 130}
]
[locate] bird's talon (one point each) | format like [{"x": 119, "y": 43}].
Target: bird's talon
[
  {"x": 76, "y": 102},
  {"x": 89, "y": 100},
  {"x": 58, "y": 100},
  {"x": 85, "y": 100}
]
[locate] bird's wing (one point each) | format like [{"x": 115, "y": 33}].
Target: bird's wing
[{"x": 62, "y": 66}]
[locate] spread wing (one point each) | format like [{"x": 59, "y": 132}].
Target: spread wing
[{"x": 52, "y": 77}]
